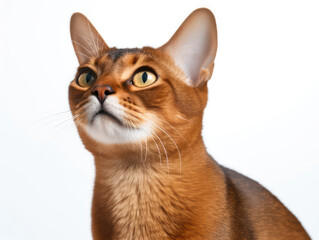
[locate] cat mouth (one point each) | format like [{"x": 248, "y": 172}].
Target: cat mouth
[{"x": 102, "y": 112}]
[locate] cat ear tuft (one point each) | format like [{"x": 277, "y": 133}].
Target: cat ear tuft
[
  {"x": 193, "y": 46},
  {"x": 86, "y": 41}
]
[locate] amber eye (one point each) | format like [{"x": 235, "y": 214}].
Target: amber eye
[
  {"x": 86, "y": 79},
  {"x": 144, "y": 78}
]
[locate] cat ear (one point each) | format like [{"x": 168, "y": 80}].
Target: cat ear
[
  {"x": 194, "y": 45},
  {"x": 86, "y": 41}
]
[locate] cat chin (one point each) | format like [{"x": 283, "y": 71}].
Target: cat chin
[
  {"x": 106, "y": 131},
  {"x": 109, "y": 128}
]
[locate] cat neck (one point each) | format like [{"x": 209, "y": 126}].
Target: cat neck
[{"x": 137, "y": 197}]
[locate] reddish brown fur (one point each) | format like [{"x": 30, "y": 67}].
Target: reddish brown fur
[{"x": 137, "y": 196}]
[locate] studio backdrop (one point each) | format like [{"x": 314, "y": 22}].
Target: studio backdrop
[{"x": 261, "y": 119}]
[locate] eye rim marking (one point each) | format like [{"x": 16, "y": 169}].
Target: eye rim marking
[
  {"x": 86, "y": 70},
  {"x": 143, "y": 69}
]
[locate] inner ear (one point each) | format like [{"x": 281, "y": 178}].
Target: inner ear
[
  {"x": 193, "y": 46},
  {"x": 86, "y": 41}
]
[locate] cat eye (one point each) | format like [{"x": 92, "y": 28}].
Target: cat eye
[
  {"x": 86, "y": 79},
  {"x": 144, "y": 78}
]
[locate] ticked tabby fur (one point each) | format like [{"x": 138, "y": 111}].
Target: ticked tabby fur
[{"x": 139, "y": 112}]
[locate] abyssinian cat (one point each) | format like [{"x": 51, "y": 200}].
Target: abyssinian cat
[{"x": 139, "y": 112}]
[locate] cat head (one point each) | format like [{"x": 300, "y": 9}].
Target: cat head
[{"x": 126, "y": 96}]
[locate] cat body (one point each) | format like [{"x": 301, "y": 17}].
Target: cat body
[{"x": 139, "y": 112}]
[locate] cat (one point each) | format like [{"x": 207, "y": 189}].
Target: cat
[{"x": 139, "y": 112}]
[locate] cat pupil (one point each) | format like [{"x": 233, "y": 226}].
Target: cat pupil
[
  {"x": 144, "y": 77},
  {"x": 88, "y": 78}
]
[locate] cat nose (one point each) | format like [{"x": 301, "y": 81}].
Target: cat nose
[{"x": 101, "y": 92}]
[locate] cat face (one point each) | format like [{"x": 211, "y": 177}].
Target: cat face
[{"x": 122, "y": 96}]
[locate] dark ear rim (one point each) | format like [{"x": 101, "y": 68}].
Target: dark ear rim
[{"x": 77, "y": 18}]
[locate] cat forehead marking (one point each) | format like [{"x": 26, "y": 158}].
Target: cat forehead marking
[{"x": 116, "y": 53}]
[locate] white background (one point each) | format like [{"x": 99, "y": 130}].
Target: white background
[{"x": 261, "y": 120}]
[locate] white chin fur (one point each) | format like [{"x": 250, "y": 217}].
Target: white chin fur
[{"x": 107, "y": 131}]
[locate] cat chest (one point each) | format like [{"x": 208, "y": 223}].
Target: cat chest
[{"x": 144, "y": 207}]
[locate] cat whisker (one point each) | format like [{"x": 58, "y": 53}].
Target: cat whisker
[
  {"x": 91, "y": 33},
  {"x": 145, "y": 150},
  {"x": 100, "y": 47},
  {"x": 82, "y": 54},
  {"x": 80, "y": 104},
  {"x": 65, "y": 124},
  {"x": 133, "y": 126},
  {"x": 87, "y": 50},
  {"x": 179, "y": 154},
  {"x": 140, "y": 142},
  {"x": 49, "y": 120},
  {"x": 122, "y": 108},
  {"x": 182, "y": 118},
  {"x": 77, "y": 119},
  {"x": 161, "y": 119},
  {"x": 89, "y": 42},
  {"x": 53, "y": 116},
  {"x": 157, "y": 125},
  {"x": 167, "y": 162},
  {"x": 177, "y": 148},
  {"x": 159, "y": 153},
  {"x": 53, "y": 122},
  {"x": 67, "y": 130},
  {"x": 61, "y": 128}
]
